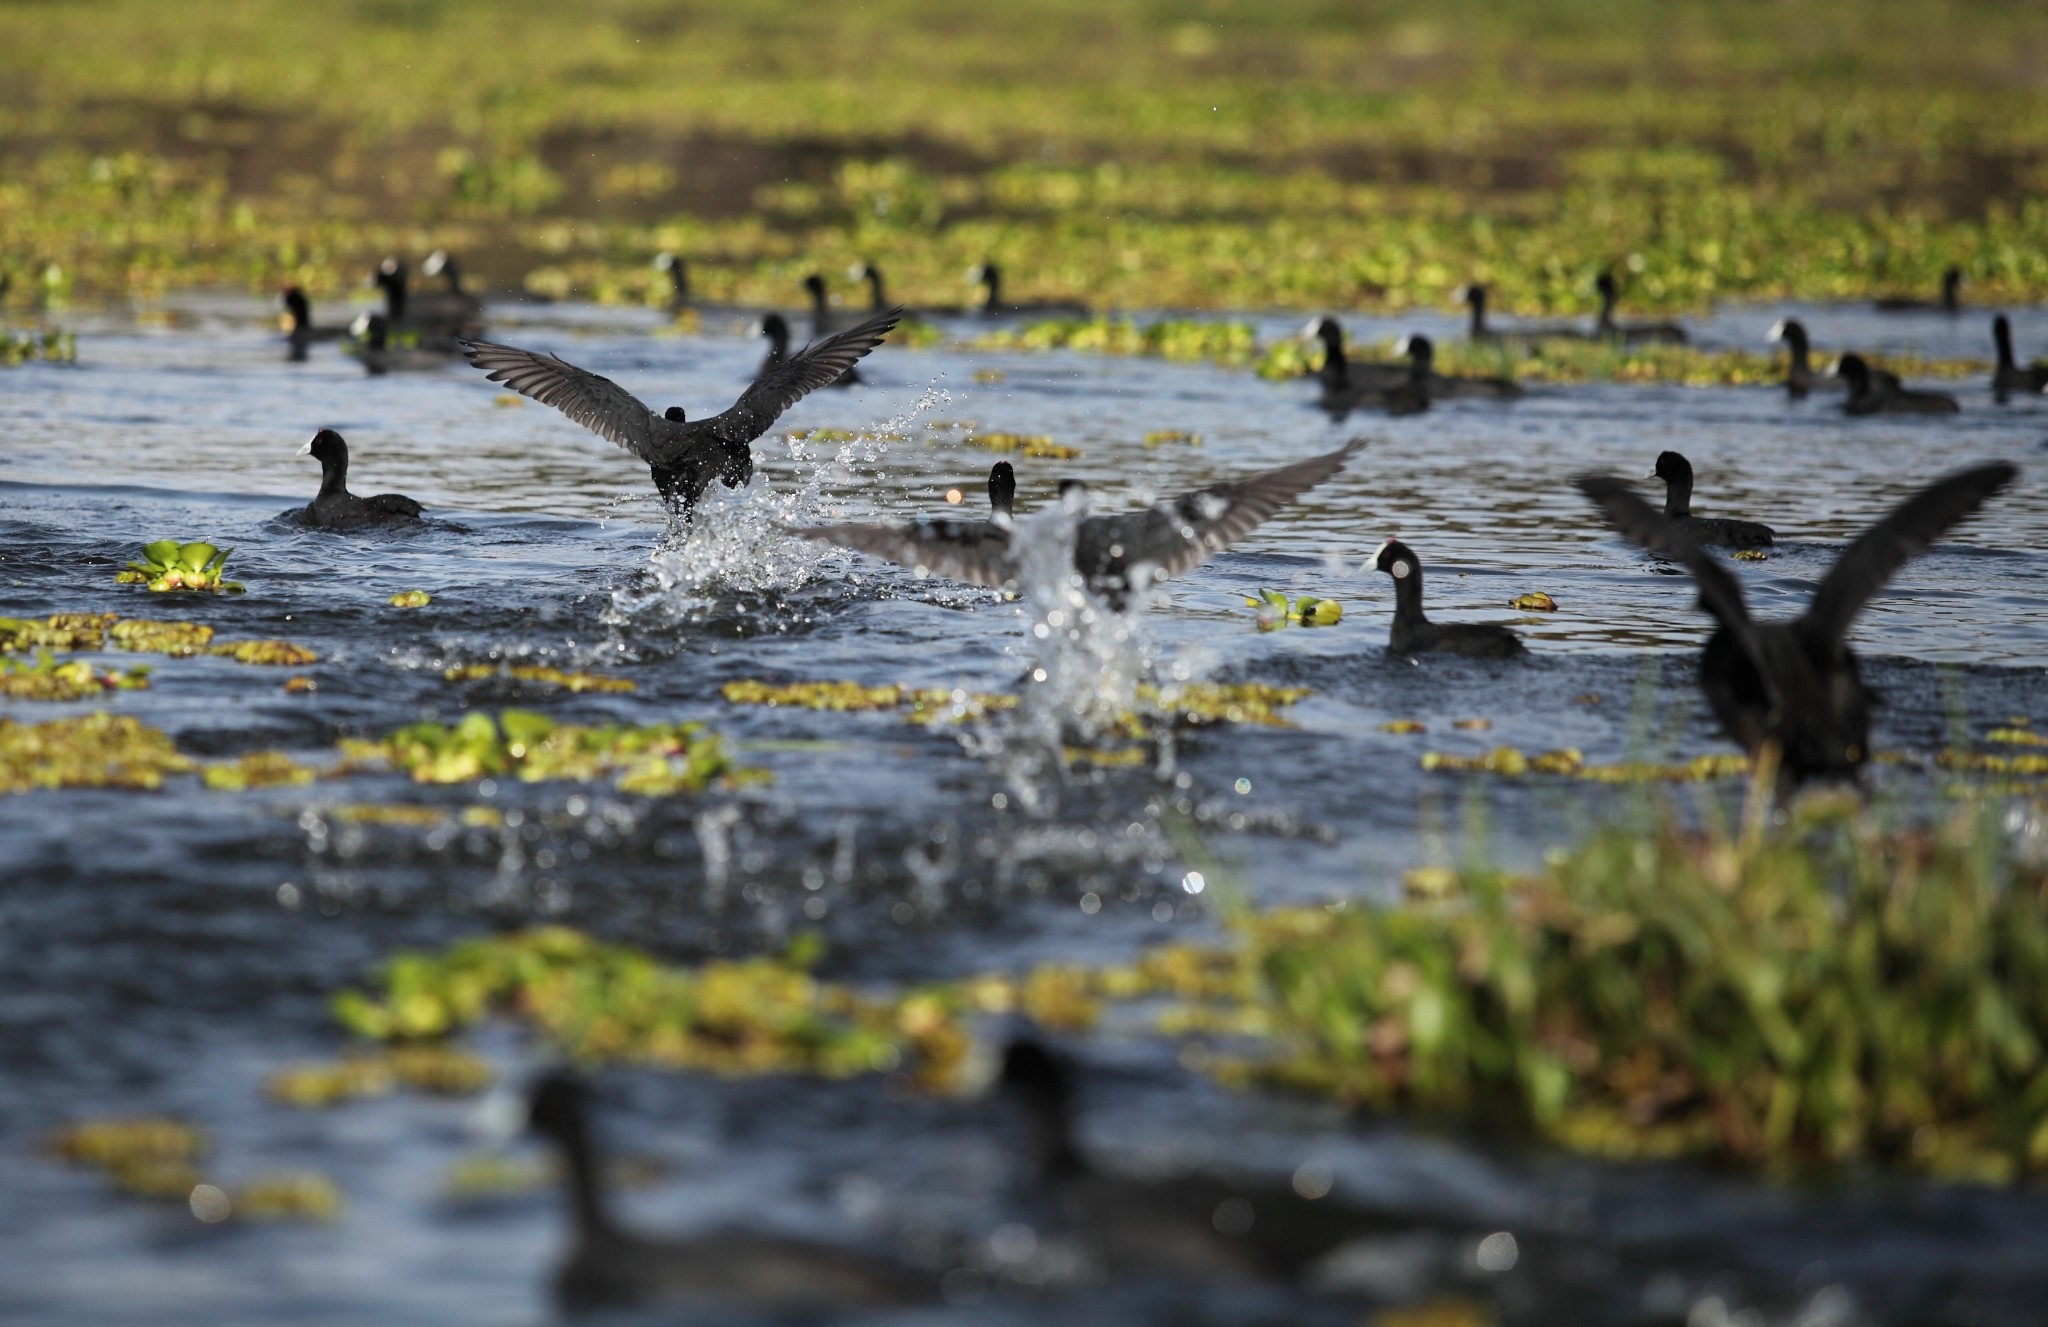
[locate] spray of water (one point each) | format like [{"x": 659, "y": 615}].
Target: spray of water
[{"x": 736, "y": 545}]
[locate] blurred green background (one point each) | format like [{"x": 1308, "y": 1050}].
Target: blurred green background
[{"x": 1134, "y": 153}]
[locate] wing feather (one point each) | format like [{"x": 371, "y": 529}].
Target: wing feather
[
  {"x": 782, "y": 385},
  {"x": 597, "y": 403},
  {"x": 977, "y": 552},
  {"x": 1640, "y": 523}
]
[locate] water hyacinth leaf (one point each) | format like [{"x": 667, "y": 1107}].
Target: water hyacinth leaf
[{"x": 161, "y": 553}]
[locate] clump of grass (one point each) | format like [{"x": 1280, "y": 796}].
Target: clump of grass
[
  {"x": 656, "y": 760},
  {"x": 576, "y": 682},
  {"x": 1836, "y": 992}
]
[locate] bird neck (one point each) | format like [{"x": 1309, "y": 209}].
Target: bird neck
[
  {"x": 1949, "y": 299},
  {"x": 334, "y": 477},
  {"x": 1476, "y": 330},
  {"x": 1605, "y": 323},
  {"x": 585, "y": 1194},
  {"x": 1408, "y": 596},
  {"x": 992, "y": 281},
  {"x": 394, "y": 297},
  {"x": 1420, "y": 365},
  {"x": 875, "y": 295},
  {"x": 1335, "y": 372},
  {"x": 1795, "y": 340},
  {"x": 1052, "y": 1140},
  {"x": 1678, "y": 495},
  {"x": 819, "y": 312},
  {"x": 2002, "y": 334}
]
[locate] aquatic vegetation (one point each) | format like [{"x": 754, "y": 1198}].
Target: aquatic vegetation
[
  {"x": 1752, "y": 555},
  {"x": 172, "y": 638},
  {"x": 1537, "y": 602},
  {"x": 1201, "y": 703},
  {"x": 414, "y": 598},
  {"x": 271, "y": 653},
  {"x": 1171, "y": 338},
  {"x": 612, "y": 1002},
  {"x": 555, "y": 677},
  {"x": 656, "y": 760},
  {"x": 287, "y": 1195},
  {"x": 60, "y": 632},
  {"x": 48, "y": 346},
  {"x": 928, "y": 705},
  {"x": 300, "y": 686},
  {"x": 169, "y": 565},
  {"x": 97, "y": 750},
  {"x": 258, "y": 769},
  {"x": 1513, "y": 763},
  {"x": 1276, "y": 610},
  {"x": 431, "y": 1067},
  {"x": 1036, "y": 446},
  {"x": 1172, "y": 438},
  {"x": 1831, "y": 992},
  {"x": 149, "y": 1156},
  {"x": 46, "y": 679},
  {"x": 1404, "y": 727}
]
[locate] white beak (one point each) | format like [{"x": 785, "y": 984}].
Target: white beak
[
  {"x": 307, "y": 450},
  {"x": 1401, "y": 346},
  {"x": 1835, "y": 369},
  {"x": 1777, "y": 332}
]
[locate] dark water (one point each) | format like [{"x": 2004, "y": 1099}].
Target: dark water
[{"x": 148, "y": 960}]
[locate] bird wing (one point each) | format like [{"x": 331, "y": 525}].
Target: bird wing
[
  {"x": 1880, "y": 551},
  {"x": 977, "y": 552},
  {"x": 1177, "y": 536},
  {"x": 598, "y": 404},
  {"x": 781, "y": 386},
  {"x": 1640, "y": 523}
]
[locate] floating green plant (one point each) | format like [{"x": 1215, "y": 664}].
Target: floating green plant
[
  {"x": 286, "y": 1195},
  {"x": 170, "y": 565},
  {"x": 411, "y": 599},
  {"x": 536, "y": 673},
  {"x": 1193, "y": 702},
  {"x": 269, "y": 653},
  {"x": 1276, "y": 610},
  {"x": 1513, "y": 763},
  {"x": 1033, "y": 445},
  {"x": 49, "y": 346},
  {"x": 46, "y": 679},
  {"x": 611, "y": 1002},
  {"x": 148, "y": 1156},
  {"x": 258, "y": 769},
  {"x": 1172, "y": 438},
  {"x": 1537, "y": 602},
  {"x": 656, "y": 760},
  {"x": 1172, "y": 338},
  {"x": 59, "y": 631},
  {"x": 433, "y": 1067},
  {"x": 172, "y": 638},
  {"x": 97, "y": 750}
]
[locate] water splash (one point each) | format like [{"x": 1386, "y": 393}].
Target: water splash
[{"x": 737, "y": 544}]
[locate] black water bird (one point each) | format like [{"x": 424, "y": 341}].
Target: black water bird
[
  {"x": 1342, "y": 379},
  {"x": 1421, "y": 353},
  {"x": 1793, "y": 687},
  {"x": 1605, "y": 328},
  {"x": 821, "y": 323},
  {"x": 731, "y": 1269},
  {"x": 434, "y": 318},
  {"x": 990, "y": 278},
  {"x": 683, "y": 456},
  {"x": 2009, "y": 377},
  {"x": 1800, "y": 377},
  {"x": 1473, "y": 296},
  {"x": 678, "y": 273},
  {"x": 1115, "y": 556},
  {"x": 300, "y": 330},
  {"x": 335, "y": 508},
  {"x": 1413, "y": 633},
  {"x": 1950, "y": 302},
  {"x": 380, "y": 354},
  {"x": 776, "y": 329},
  {"x": 1193, "y": 1224},
  {"x": 1676, "y": 472},
  {"x": 868, "y": 272},
  {"x": 1875, "y": 392}
]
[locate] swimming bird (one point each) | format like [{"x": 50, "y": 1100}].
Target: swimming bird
[
  {"x": 1413, "y": 633},
  {"x": 1793, "y": 687},
  {"x": 1192, "y": 1224},
  {"x": 435, "y": 318},
  {"x": 678, "y": 273},
  {"x": 2009, "y": 377},
  {"x": 868, "y": 272},
  {"x": 300, "y": 331},
  {"x": 1950, "y": 301},
  {"x": 1115, "y": 556},
  {"x": 776, "y": 328},
  {"x": 373, "y": 345},
  {"x": 990, "y": 279},
  {"x": 821, "y": 323},
  {"x": 1421, "y": 353},
  {"x": 1875, "y": 392},
  {"x": 684, "y": 457},
  {"x": 1347, "y": 386},
  {"x": 1800, "y": 377},
  {"x": 727, "y": 1269},
  {"x": 1676, "y": 472},
  {"x": 1473, "y": 296},
  {"x": 335, "y": 508},
  {"x": 1605, "y": 328}
]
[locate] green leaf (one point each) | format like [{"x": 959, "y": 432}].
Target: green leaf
[
  {"x": 196, "y": 556},
  {"x": 163, "y": 553}
]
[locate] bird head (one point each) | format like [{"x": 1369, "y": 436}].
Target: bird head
[
  {"x": 325, "y": 446},
  {"x": 1672, "y": 468}
]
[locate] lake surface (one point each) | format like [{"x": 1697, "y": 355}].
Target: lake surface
[{"x": 165, "y": 952}]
